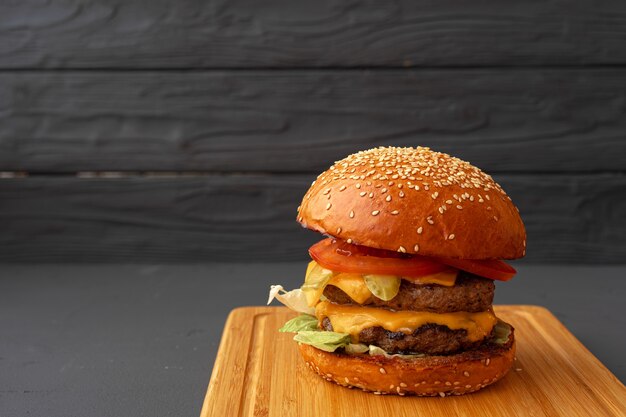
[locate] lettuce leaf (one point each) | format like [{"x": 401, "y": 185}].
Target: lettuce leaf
[
  {"x": 307, "y": 332},
  {"x": 303, "y": 322},
  {"x": 323, "y": 340},
  {"x": 375, "y": 350},
  {"x": 294, "y": 300},
  {"x": 354, "y": 348}
]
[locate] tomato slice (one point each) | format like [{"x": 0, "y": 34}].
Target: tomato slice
[
  {"x": 338, "y": 255},
  {"x": 493, "y": 268}
]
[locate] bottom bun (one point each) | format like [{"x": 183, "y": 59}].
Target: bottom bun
[{"x": 457, "y": 374}]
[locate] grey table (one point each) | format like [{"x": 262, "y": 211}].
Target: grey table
[{"x": 140, "y": 340}]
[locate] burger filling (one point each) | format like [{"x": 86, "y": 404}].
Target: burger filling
[
  {"x": 440, "y": 311},
  {"x": 432, "y": 339},
  {"x": 470, "y": 293}
]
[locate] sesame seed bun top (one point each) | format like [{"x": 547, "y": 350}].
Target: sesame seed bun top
[{"x": 414, "y": 200}]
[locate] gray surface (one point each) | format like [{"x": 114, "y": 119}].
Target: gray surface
[
  {"x": 244, "y": 33},
  {"x": 579, "y": 218},
  {"x": 141, "y": 340}
]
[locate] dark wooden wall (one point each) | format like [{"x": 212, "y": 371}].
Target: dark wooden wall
[{"x": 189, "y": 130}]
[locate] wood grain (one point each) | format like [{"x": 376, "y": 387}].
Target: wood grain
[
  {"x": 301, "y": 121},
  {"x": 295, "y": 33},
  {"x": 577, "y": 218},
  {"x": 258, "y": 372}
]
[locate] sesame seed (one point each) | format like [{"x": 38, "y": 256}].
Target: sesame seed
[
  {"x": 375, "y": 212},
  {"x": 448, "y": 383},
  {"x": 338, "y": 230},
  {"x": 465, "y": 373},
  {"x": 384, "y": 190},
  {"x": 371, "y": 195},
  {"x": 401, "y": 249},
  {"x": 352, "y": 214},
  {"x": 392, "y": 386},
  {"x": 448, "y": 201},
  {"x": 430, "y": 221},
  {"x": 459, "y": 207},
  {"x": 358, "y": 185},
  {"x": 420, "y": 230},
  {"x": 403, "y": 385},
  {"x": 450, "y": 237},
  {"x": 395, "y": 212},
  {"x": 349, "y": 241},
  {"x": 442, "y": 394},
  {"x": 441, "y": 210},
  {"x": 434, "y": 195},
  {"x": 388, "y": 198},
  {"x": 328, "y": 206},
  {"x": 468, "y": 386},
  {"x": 495, "y": 218},
  {"x": 326, "y": 191},
  {"x": 343, "y": 187},
  {"x": 382, "y": 370},
  {"x": 416, "y": 248},
  {"x": 487, "y": 361},
  {"x": 398, "y": 390},
  {"x": 437, "y": 382},
  {"x": 401, "y": 195},
  {"x": 487, "y": 196},
  {"x": 362, "y": 193},
  {"x": 456, "y": 382}
]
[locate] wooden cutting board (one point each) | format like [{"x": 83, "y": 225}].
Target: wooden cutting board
[{"x": 258, "y": 372}]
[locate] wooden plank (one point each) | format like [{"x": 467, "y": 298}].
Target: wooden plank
[
  {"x": 301, "y": 121},
  {"x": 244, "y": 33},
  {"x": 577, "y": 218},
  {"x": 553, "y": 374}
]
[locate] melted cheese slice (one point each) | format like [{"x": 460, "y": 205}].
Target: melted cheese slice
[
  {"x": 353, "y": 285},
  {"x": 446, "y": 278},
  {"x": 353, "y": 319}
]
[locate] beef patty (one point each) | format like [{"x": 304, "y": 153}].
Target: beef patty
[
  {"x": 470, "y": 293},
  {"x": 432, "y": 339}
]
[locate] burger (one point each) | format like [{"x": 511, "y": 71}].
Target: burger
[{"x": 397, "y": 298}]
